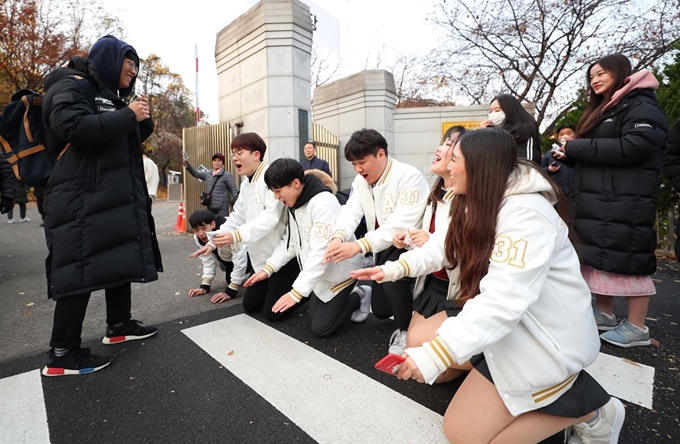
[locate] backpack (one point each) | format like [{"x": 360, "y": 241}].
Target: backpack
[{"x": 22, "y": 135}]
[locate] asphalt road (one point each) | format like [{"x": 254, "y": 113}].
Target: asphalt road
[{"x": 173, "y": 388}]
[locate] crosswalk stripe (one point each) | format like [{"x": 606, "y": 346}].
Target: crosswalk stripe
[
  {"x": 330, "y": 401},
  {"x": 23, "y": 418},
  {"x": 625, "y": 379}
]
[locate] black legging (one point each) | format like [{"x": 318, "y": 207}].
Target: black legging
[
  {"x": 69, "y": 314},
  {"x": 22, "y": 211}
]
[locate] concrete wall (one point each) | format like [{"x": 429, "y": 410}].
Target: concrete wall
[
  {"x": 367, "y": 100},
  {"x": 418, "y": 131},
  {"x": 362, "y": 100},
  {"x": 263, "y": 69}
]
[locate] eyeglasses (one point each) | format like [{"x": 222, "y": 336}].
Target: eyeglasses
[
  {"x": 132, "y": 65},
  {"x": 238, "y": 153}
]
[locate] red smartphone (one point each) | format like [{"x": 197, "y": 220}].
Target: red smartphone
[{"x": 390, "y": 364}]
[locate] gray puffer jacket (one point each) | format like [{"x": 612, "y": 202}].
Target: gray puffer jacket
[{"x": 225, "y": 191}]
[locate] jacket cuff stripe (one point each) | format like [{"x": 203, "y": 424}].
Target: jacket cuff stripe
[
  {"x": 268, "y": 269},
  {"x": 405, "y": 266},
  {"x": 365, "y": 245},
  {"x": 236, "y": 236},
  {"x": 339, "y": 234},
  {"x": 442, "y": 352},
  {"x": 296, "y": 295}
]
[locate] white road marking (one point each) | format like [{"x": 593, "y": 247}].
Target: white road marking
[
  {"x": 330, "y": 401},
  {"x": 23, "y": 418},
  {"x": 624, "y": 379}
]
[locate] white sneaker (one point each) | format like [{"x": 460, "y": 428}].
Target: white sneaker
[
  {"x": 398, "y": 342},
  {"x": 607, "y": 428},
  {"x": 10, "y": 221},
  {"x": 24, "y": 219},
  {"x": 361, "y": 314}
]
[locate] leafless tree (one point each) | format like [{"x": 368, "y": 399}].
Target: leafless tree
[
  {"x": 324, "y": 65},
  {"x": 537, "y": 50}
]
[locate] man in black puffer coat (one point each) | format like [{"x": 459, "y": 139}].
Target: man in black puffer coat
[{"x": 98, "y": 225}]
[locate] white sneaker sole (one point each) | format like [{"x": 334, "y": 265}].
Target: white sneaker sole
[
  {"x": 618, "y": 421},
  {"x": 54, "y": 371},
  {"x": 119, "y": 339},
  {"x": 629, "y": 344}
]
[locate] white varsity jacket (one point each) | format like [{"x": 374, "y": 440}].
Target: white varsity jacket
[
  {"x": 396, "y": 202},
  {"x": 310, "y": 231},
  {"x": 258, "y": 219},
  {"x": 532, "y": 318}
]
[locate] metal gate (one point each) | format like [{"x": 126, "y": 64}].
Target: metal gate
[
  {"x": 200, "y": 144},
  {"x": 327, "y": 146}
]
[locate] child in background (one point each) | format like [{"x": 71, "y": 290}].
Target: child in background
[
  {"x": 558, "y": 171},
  {"x": 229, "y": 259}
]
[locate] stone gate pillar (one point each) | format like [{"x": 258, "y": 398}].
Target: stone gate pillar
[{"x": 264, "y": 78}]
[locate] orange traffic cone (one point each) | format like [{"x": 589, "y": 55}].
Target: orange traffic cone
[
  {"x": 183, "y": 227},
  {"x": 181, "y": 220}
]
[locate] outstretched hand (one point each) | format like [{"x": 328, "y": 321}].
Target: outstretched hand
[
  {"x": 206, "y": 250},
  {"x": 368, "y": 274}
]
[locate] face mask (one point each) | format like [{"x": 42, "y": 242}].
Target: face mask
[{"x": 497, "y": 118}]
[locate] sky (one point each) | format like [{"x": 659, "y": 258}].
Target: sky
[{"x": 365, "y": 27}]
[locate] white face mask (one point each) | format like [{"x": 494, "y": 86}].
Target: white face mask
[{"x": 497, "y": 118}]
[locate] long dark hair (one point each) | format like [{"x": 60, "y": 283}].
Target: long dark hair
[
  {"x": 518, "y": 121},
  {"x": 435, "y": 194},
  {"x": 619, "y": 67},
  {"x": 490, "y": 158}
]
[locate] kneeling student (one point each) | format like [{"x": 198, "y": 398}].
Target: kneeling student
[
  {"x": 230, "y": 259},
  {"x": 312, "y": 210}
]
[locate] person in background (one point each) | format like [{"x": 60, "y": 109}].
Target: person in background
[
  {"x": 312, "y": 162},
  {"x": 558, "y": 171},
  {"x": 671, "y": 168},
  {"x": 525, "y": 327},
  {"x": 219, "y": 185},
  {"x": 98, "y": 225},
  {"x": 7, "y": 180},
  {"x": 391, "y": 195},
  {"x": 151, "y": 176},
  {"x": 21, "y": 199},
  {"x": 506, "y": 112},
  {"x": 39, "y": 193},
  {"x": 616, "y": 181}
]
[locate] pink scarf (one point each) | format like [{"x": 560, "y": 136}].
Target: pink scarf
[{"x": 643, "y": 79}]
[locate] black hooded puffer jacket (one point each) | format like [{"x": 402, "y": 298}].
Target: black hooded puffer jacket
[{"x": 98, "y": 223}]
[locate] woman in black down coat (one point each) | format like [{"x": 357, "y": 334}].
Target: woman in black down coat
[
  {"x": 98, "y": 225},
  {"x": 614, "y": 189}
]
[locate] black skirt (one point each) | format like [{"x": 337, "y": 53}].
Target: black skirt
[
  {"x": 433, "y": 299},
  {"x": 585, "y": 396}
]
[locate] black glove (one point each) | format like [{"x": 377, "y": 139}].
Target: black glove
[{"x": 5, "y": 205}]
